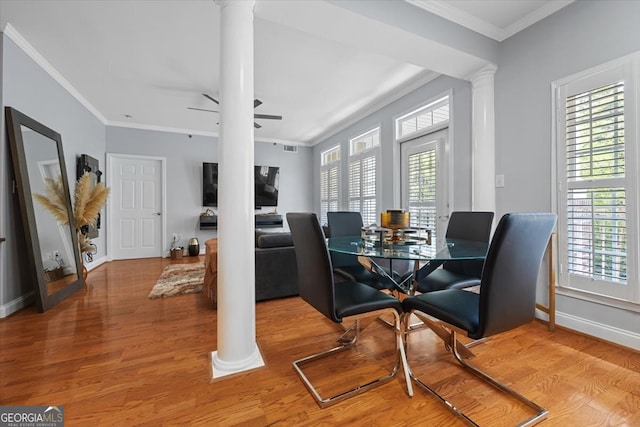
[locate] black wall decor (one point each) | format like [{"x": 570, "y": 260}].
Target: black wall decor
[{"x": 86, "y": 163}]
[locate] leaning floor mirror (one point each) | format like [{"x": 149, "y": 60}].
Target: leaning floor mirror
[{"x": 45, "y": 203}]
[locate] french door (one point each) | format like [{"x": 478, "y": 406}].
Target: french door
[{"x": 424, "y": 172}]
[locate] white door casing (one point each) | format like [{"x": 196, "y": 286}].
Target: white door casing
[
  {"x": 137, "y": 225},
  {"x": 434, "y": 208}
]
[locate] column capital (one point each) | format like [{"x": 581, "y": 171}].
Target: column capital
[
  {"x": 488, "y": 70},
  {"x": 250, "y": 4}
]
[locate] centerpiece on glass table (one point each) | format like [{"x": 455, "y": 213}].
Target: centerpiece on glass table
[{"x": 395, "y": 231}]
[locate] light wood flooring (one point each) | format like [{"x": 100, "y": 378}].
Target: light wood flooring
[{"x": 113, "y": 357}]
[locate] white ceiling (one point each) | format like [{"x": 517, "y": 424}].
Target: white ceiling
[{"x": 151, "y": 59}]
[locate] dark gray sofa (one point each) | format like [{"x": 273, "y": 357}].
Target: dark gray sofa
[{"x": 276, "y": 267}]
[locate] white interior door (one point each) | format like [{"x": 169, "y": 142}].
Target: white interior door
[
  {"x": 136, "y": 221},
  {"x": 425, "y": 182}
]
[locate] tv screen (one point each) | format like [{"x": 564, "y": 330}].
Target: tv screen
[
  {"x": 210, "y": 184},
  {"x": 267, "y": 181}
]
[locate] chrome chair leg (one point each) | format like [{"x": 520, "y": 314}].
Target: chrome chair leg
[
  {"x": 541, "y": 413},
  {"x": 455, "y": 346},
  {"x": 345, "y": 344}
]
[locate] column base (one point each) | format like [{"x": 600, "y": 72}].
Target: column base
[{"x": 220, "y": 368}]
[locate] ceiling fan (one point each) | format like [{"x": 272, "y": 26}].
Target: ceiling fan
[{"x": 256, "y": 102}]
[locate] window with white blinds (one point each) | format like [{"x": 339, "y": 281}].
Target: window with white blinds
[
  {"x": 595, "y": 204},
  {"x": 363, "y": 173},
  {"x": 424, "y": 118},
  {"x": 422, "y": 188},
  {"x": 329, "y": 182}
]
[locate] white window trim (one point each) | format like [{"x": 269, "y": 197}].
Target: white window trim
[{"x": 632, "y": 104}]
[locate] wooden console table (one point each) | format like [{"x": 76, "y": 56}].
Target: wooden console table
[
  {"x": 210, "y": 222},
  {"x": 551, "y": 308}
]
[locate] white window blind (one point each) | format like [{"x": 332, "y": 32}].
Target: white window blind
[
  {"x": 423, "y": 118},
  {"x": 422, "y": 187},
  {"x": 364, "y": 151},
  {"x": 362, "y": 188},
  {"x": 329, "y": 182},
  {"x": 364, "y": 142},
  {"x": 597, "y": 155},
  {"x": 596, "y": 207}
]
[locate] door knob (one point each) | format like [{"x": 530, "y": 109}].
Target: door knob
[{"x": 158, "y": 213}]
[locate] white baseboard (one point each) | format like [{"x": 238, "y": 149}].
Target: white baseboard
[
  {"x": 599, "y": 330},
  {"x": 95, "y": 263},
  {"x": 17, "y": 304}
]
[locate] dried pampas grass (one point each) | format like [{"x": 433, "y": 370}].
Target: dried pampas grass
[
  {"x": 88, "y": 202},
  {"x": 54, "y": 201}
]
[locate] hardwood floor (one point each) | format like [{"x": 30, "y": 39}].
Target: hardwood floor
[{"x": 113, "y": 357}]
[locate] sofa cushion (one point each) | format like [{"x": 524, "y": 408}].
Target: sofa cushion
[{"x": 274, "y": 240}]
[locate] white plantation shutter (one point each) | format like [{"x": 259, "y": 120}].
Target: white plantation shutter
[
  {"x": 329, "y": 182},
  {"x": 594, "y": 192},
  {"x": 328, "y": 192},
  {"x": 362, "y": 188},
  {"x": 428, "y": 116},
  {"x": 364, "y": 151},
  {"x": 596, "y": 220},
  {"x": 422, "y": 187}
]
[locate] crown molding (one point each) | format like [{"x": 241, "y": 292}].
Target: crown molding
[
  {"x": 445, "y": 10},
  {"x": 31, "y": 51},
  {"x": 537, "y": 15}
]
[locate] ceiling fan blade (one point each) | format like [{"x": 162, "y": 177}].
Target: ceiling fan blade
[
  {"x": 210, "y": 98},
  {"x": 256, "y": 102},
  {"x": 202, "y": 109},
  {"x": 257, "y": 126},
  {"x": 267, "y": 116}
]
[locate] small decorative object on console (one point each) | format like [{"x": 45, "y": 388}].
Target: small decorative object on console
[{"x": 194, "y": 247}]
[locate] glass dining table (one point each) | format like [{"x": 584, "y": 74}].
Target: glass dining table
[{"x": 425, "y": 257}]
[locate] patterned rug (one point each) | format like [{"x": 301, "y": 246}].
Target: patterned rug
[{"x": 179, "y": 279}]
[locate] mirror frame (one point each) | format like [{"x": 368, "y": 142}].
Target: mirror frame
[{"x": 15, "y": 120}]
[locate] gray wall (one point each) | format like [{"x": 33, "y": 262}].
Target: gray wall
[
  {"x": 184, "y": 173},
  {"x": 580, "y": 36},
  {"x": 460, "y": 134},
  {"x": 29, "y": 89}
]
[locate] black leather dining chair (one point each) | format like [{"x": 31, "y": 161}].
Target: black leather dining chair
[
  {"x": 348, "y": 302},
  {"x": 345, "y": 223},
  {"x": 506, "y": 299},
  {"x": 467, "y": 225}
]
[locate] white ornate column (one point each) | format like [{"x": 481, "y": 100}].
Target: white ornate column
[
  {"x": 237, "y": 348},
  {"x": 483, "y": 151}
]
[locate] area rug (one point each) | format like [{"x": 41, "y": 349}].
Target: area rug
[{"x": 179, "y": 279}]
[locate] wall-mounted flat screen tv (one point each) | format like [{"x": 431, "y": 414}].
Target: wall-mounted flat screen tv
[
  {"x": 210, "y": 184},
  {"x": 266, "y": 179}
]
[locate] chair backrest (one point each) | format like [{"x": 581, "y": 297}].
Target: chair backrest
[
  {"x": 315, "y": 272},
  {"x": 341, "y": 224},
  {"x": 469, "y": 225},
  {"x": 510, "y": 274}
]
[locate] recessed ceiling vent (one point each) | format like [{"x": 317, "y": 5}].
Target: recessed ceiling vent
[{"x": 290, "y": 148}]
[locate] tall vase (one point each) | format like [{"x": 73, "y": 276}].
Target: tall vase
[{"x": 85, "y": 272}]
